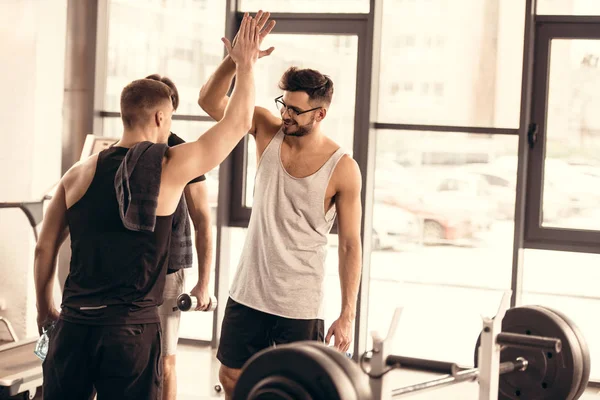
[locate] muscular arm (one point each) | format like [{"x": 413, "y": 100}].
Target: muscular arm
[
  {"x": 349, "y": 211},
  {"x": 189, "y": 160},
  {"x": 213, "y": 96},
  {"x": 53, "y": 233},
  {"x": 196, "y": 196}
]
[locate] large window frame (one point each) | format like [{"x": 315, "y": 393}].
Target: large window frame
[{"x": 537, "y": 236}]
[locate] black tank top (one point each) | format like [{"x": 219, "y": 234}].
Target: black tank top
[{"x": 117, "y": 276}]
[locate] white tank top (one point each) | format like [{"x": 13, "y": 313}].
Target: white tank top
[{"x": 282, "y": 266}]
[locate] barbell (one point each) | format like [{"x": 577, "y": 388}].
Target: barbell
[{"x": 543, "y": 355}]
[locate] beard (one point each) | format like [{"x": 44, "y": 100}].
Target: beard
[{"x": 293, "y": 129}]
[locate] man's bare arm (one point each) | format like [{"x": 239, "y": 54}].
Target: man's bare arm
[
  {"x": 189, "y": 160},
  {"x": 349, "y": 209},
  {"x": 53, "y": 233},
  {"x": 196, "y": 195},
  {"x": 213, "y": 96}
]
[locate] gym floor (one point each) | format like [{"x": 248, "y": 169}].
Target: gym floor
[{"x": 197, "y": 370}]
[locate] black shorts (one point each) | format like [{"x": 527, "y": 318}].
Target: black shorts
[
  {"x": 119, "y": 361},
  {"x": 246, "y": 331}
]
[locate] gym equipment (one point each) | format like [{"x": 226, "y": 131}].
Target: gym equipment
[
  {"x": 185, "y": 302},
  {"x": 34, "y": 211},
  {"x": 20, "y": 369},
  {"x": 529, "y": 352}
]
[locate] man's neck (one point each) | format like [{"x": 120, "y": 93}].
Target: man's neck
[
  {"x": 313, "y": 140},
  {"x": 132, "y": 137}
]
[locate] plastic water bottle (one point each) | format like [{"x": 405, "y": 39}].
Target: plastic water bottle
[{"x": 41, "y": 346}]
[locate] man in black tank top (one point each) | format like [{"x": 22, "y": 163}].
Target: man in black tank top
[{"x": 107, "y": 335}]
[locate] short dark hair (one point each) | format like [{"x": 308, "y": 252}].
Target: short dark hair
[
  {"x": 319, "y": 87},
  {"x": 170, "y": 84},
  {"x": 139, "y": 98}
]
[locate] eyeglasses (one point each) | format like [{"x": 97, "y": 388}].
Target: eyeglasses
[{"x": 292, "y": 111}]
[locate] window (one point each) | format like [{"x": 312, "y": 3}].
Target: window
[
  {"x": 562, "y": 200},
  {"x": 571, "y": 188},
  {"x": 332, "y": 55},
  {"x": 176, "y": 39},
  {"x": 481, "y": 78},
  {"x": 306, "y": 6},
  {"x": 570, "y": 7},
  {"x": 442, "y": 238},
  {"x": 566, "y": 282}
]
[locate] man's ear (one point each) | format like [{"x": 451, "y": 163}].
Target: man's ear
[
  {"x": 321, "y": 114},
  {"x": 158, "y": 118}
]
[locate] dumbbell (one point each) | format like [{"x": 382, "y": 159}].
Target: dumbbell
[{"x": 187, "y": 302}]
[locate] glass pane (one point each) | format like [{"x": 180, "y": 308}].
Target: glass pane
[
  {"x": 568, "y": 7},
  {"x": 571, "y": 190},
  {"x": 440, "y": 68},
  {"x": 194, "y": 325},
  {"x": 442, "y": 238},
  {"x": 332, "y": 297},
  {"x": 335, "y": 56},
  {"x": 306, "y": 6},
  {"x": 176, "y": 39},
  {"x": 568, "y": 283}
]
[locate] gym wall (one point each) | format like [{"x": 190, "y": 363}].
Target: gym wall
[{"x": 32, "y": 44}]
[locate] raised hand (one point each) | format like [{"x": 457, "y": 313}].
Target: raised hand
[
  {"x": 265, "y": 28},
  {"x": 246, "y": 49}
]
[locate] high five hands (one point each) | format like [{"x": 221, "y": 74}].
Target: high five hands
[{"x": 252, "y": 32}]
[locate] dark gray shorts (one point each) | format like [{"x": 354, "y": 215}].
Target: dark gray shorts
[{"x": 246, "y": 331}]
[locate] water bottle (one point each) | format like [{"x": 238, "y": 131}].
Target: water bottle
[
  {"x": 185, "y": 302},
  {"x": 41, "y": 346}
]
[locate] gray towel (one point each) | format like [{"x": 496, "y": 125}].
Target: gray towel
[{"x": 137, "y": 184}]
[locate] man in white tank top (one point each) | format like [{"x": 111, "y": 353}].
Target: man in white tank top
[{"x": 303, "y": 181}]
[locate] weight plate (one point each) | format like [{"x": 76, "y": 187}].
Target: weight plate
[
  {"x": 360, "y": 381},
  {"x": 548, "y": 375},
  {"x": 314, "y": 374},
  {"x": 587, "y": 365}
]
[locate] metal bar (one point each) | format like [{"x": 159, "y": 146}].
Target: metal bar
[
  {"x": 10, "y": 329},
  {"x": 523, "y": 152},
  {"x": 364, "y": 145},
  {"x": 567, "y": 246},
  {"x": 380, "y": 387},
  {"x": 421, "y": 364},
  {"x": 568, "y": 19},
  {"x": 529, "y": 342},
  {"x": 223, "y": 237},
  {"x": 446, "y": 128},
  {"x": 321, "y": 17},
  {"x": 176, "y": 117},
  {"x": 101, "y": 71},
  {"x": 463, "y": 376},
  {"x": 489, "y": 351}
]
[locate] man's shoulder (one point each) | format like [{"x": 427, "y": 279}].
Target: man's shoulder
[
  {"x": 265, "y": 123},
  {"x": 347, "y": 173},
  {"x": 82, "y": 170}
]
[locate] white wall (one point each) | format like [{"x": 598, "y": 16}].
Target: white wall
[{"x": 32, "y": 44}]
